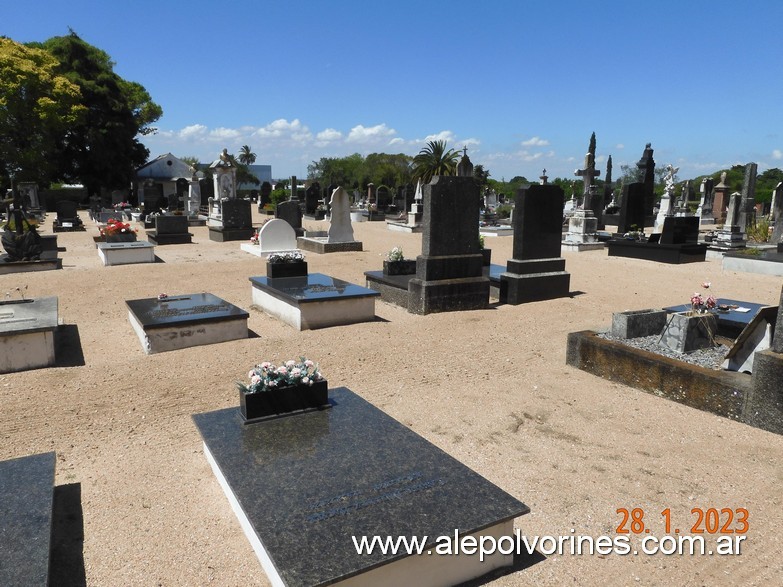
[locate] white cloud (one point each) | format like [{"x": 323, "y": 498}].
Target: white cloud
[
  {"x": 329, "y": 134},
  {"x": 193, "y": 130},
  {"x": 397, "y": 141},
  {"x": 535, "y": 142},
  {"x": 444, "y": 135},
  {"x": 777, "y": 154},
  {"x": 619, "y": 146},
  {"x": 365, "y": 134},
  {"x": 224, "y": 134}
]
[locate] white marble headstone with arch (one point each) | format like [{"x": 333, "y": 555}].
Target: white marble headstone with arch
[{"x": 277, "y": 235}]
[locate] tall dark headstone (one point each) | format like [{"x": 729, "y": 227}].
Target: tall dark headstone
[
  {"x": 263, "y": 197},
  {"x": 536, "y": 272},
  {"x": 291, "y": 213},
  {"x": 449, "y": 270},
  {"x": 606, "y": 199},
  {"x": 646, "y": 167},
  {"x": 312, "y": 195},
  {"x": 633, "y": 208}
]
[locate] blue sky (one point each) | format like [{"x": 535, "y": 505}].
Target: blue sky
[{"x": 521, "y": 84}]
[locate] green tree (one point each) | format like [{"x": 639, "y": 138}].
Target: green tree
[
  {"x": 102, "y": 150},
  {"x": 191, "y": 160},
  {"x": 246, "y": 155},
  {"x": 38, "y": 106},
  {"x": 434, "y": 159},
  {"x": 481, "y": 176}
]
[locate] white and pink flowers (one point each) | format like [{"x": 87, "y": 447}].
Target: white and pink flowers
[
  {"x": 266, "y": 376},
  {"x": 700, "y": 304}
]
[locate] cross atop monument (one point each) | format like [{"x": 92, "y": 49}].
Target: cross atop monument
[{"x": 588, "y": 175}]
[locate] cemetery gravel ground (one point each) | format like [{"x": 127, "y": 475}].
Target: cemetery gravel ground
[{"x": 489, "y": 387}]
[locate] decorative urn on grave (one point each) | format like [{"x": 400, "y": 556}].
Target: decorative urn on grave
[{"x": 294, "y": 387}]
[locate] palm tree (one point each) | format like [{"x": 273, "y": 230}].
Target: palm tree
[
  {"x": 246, "y": 155},
  {"x": 434, "y": 159}
]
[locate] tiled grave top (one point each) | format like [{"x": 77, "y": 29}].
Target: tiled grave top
[
  {"x": 184, "y": 309},
  {"x": 26, "y": 492},
  {"x": 730, "y": 318},
  {"x": 27, "y": 316},
  {"x": 307, "y": 483},
  {"x": 315, "y": 287}
]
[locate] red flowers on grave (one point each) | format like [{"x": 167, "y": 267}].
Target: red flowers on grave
[{"x": 114, "y": 227}]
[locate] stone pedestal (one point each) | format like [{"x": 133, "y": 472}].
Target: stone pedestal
[
  {"x": 582, "y": 232},
  {"x": 684, "y": 333},
  {"x": 730, "y": 237},
  {"x": 765, "y": 404},
  {"x": 531, "y": 280}
]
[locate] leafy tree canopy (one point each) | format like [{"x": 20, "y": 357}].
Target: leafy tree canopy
[
  {"x": 356, "y": 172},
  {"x": 102, "y": 149},
  {"x": 434, "y": 159},
  {"x": 38, "y": 106}
]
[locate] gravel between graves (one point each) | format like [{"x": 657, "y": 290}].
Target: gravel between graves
[
  {"x": 490, "y": 387},
  {"x": 709, "y": 358}
]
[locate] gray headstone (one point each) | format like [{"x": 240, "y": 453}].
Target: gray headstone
[
  {"x": 451, "y": 211},
  {"x": 734, "y": 215},
  {"x": 747, "y": 210},
  {"x": 777, "y": 213},
  {"x": 290, "y": 212},
  {"x": 340, "y": 228}
]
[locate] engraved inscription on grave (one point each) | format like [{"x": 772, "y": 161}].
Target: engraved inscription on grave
[
  {"x": 380, "y": 492},
  {"x": 175, "y": 313}
]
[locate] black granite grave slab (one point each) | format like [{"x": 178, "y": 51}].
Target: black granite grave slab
[
  {"x": 182, "y": 310},
  {"x": 236, "y": 214},
  {"x": 28, "y": 316},
  {"x": 222, "y": 235},
  {"x": 26, "y": 494},
  {"x": 308, "y": 483},
  {"x": 674, "y": 254},
  {"x": 314, "y": 287},
  {"x": 632, "y": 210}
]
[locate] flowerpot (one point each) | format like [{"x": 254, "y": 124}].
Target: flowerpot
[
  {"x": 487, "y": 253},
  {"x": 684, "y": 333},
  {"x": 404, "y": 267},
  {"x": 283, "y": 401},
  {"x": 123, "y": 237},
  {"x": 297, "y": 269}
]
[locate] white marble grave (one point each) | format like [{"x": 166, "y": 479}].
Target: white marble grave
[
  {"x": 276, "y": 236},
  {"x": 27, "y": 330}
]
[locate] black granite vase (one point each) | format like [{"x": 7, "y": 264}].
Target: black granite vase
[
  {"x": 297, "y": 269},
  {"x": 294, "y": 399},
  {"x": 487, "y": 257}
]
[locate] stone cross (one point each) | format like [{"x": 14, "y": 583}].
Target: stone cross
[{"x": 588, "y": 175}]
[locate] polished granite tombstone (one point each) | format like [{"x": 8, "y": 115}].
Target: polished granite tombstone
[
  {"x": 314, "y": 301},
  {"x": 26, "y": 496},
  {"x": 170, "y": 230},
  {"x": 303, "y": 485},
  {"x": 183, "y": 321},
  {"x": 27, "y": 332}
]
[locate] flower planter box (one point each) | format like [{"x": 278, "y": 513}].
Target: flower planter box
[
  {"x": 404, "y": 267},
  {"x": 284, "y": 401},
  {"x": 637, "y": 323},
  {"x": 127, "y": 237},
  {"x": 275, "y": 270},
  {"x": 684, "y": 333}
]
